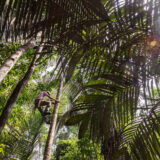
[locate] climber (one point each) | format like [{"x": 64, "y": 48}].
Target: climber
[{"x": 39, "y": 103}]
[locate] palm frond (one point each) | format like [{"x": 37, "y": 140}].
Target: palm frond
[{"x": 143, "y": 132}]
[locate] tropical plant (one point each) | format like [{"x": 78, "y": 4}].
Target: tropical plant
[
  {"x": 20, "y": 138},
  {"x": 114, "y": 47},
  {"x": 51, "y": 133},
  {"x": 77, "y": 149}
]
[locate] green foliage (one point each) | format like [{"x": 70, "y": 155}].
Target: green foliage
[
  {"x": 16, "y": 73},
  {"x": 22, "y": 131},
  {"x": 2, "y": 149},
  {"x": 106, "y": 44},
  {"x": 7, "y": 50},
  {"x": 20, "y": 136},
  {"x": 76, "y": 119},
  {"x": 74, "y": 149}
]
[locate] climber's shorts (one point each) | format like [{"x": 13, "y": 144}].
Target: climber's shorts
[{"x": 42, "y": 103}]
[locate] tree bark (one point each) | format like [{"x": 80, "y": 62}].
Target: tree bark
[
  {"x": 15, "y": 94},
  {"x": 51, "y": 133},
  {"x": 9, "y": 62}
]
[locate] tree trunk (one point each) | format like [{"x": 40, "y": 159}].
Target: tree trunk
[
  {"x": 15, "y": 94},
  {"x": 9, "y": 62},
  {"x": 49, "y": 142}
]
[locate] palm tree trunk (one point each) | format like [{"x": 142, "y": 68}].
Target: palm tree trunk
[
  {"x": 9, "y": 62},
  {"x": 15, "y": 94},
  {"x": 49, "y": 142}
]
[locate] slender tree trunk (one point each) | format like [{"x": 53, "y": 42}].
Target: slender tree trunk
[
  {"x": 49, "y": 142},
  {"x": 15, "y": 94},
  {"x": 9, "y": 62}
]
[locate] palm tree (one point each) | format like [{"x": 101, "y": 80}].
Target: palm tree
[
  {"x": 106, "y": 42},
  {"x": 110, "y": 113},
  {"x": 13, "y": 18},
  {"x": 51, "y": 133},
  {"x": 24, "y": 20},
  {"x": 22, "y": 141}
]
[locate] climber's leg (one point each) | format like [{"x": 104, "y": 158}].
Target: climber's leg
[
  {"x": 47, "y": 104},
  {"x": 41, "y": 111}
]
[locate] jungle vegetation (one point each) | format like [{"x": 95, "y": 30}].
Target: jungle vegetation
[{"x": 100, "y": 60}]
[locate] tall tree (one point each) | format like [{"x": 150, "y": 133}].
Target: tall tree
[
  {"x": 15, "y": 94},
  {"x": 10, "y": 61},
  {"x": 51, "y": 133}
]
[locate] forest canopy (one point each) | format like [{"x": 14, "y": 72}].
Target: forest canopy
[{"x": 79, "y": 80}]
